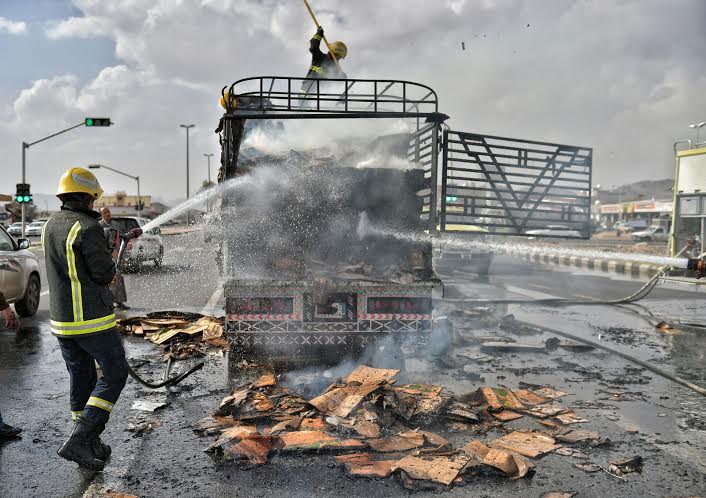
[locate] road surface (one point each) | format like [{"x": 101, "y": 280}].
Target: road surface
[{"x": 659, "y": 420}]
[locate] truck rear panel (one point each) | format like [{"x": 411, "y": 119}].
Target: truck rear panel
[{"x": 280, "y": 320}]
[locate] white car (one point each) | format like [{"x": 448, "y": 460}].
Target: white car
[
  {"x": 555, "y": 231},
  {"x": 148, "y": 247},
  {"x": 19, "y": 274},
  {"x": 654, "y": 233},
  {"x": 15, "y": 229},
  {"x": 34, "y": 229}
]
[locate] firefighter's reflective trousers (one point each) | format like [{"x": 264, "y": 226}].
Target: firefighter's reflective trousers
[{"x": 92, "y": 397}]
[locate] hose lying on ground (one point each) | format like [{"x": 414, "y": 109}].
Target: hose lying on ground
[
  {"x": 674, "y": 378},
  {"x": 641, "y": 293},
  {"x": 173, "y": 381}
]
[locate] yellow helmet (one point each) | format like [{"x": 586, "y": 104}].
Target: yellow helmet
[
  {"x": 79, "y": 180},
  {"x": 231, "y": 100},
  {"x": 339, "y": 49}
]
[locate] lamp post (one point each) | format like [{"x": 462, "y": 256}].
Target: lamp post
[
  {"x": 697, "y": 127},
  {"x": 187, "y": 127},
  {"x": 136, "y": 178},
  {"x": 208, "y": 165}
]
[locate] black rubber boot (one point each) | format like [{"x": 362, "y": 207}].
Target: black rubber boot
[
  {"x": 9, "y": 432},
  {"x": 79, "y": 447},
  {"x": 100, "y": 449}
]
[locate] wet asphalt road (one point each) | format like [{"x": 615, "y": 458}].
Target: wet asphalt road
[{"x": 168, "y": 461}]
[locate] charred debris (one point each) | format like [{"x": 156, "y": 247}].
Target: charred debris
[{"x": 428, "y": 438}]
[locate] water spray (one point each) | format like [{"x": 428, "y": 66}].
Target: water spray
[
  {"x": 200, "y": 198},
  {"x": 691, "y": 264}
]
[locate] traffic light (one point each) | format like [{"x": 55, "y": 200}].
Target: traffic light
[
  {"x": 97, "y": 122},
  {"x": 23, "y": 195}
]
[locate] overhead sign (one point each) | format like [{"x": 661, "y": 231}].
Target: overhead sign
[{"x": 611, "y": 208}]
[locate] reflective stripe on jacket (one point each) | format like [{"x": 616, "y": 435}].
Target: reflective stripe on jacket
[{"x": 79, "y": 269}]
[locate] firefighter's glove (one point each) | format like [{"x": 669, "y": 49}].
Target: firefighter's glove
[
  {"x": 134, "y": 233},
  {"x": 320, "y": 31}
]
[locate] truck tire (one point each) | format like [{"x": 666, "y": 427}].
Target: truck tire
[{"x": 27, "y": 306}]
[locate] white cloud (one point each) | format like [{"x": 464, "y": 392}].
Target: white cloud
[
  {"x": 12, "y": 27},
  {"x": 78, "y": 27},
  {"x": 572, "y": 72}
]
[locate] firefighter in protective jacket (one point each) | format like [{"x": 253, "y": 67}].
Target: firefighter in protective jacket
[
  {"x": 322, "y": 65},
  {"x": 79, "y": 270}
]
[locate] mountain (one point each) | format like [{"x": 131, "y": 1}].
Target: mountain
[{"x": 644, "y": 190}]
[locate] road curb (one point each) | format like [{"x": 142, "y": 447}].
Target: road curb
[{"x": 605, "y": 265}]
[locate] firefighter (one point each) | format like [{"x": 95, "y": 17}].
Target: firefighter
[
  {"x": 322, "y": 65},
  {"x": 79, "y": 270}
]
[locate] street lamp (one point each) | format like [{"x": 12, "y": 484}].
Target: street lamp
[
  {"x": 208, "y": 159},
  {"x": 186, "y": 127},
  {"x": 137, "y": 178},
  {"x": 697, "y": 127}
]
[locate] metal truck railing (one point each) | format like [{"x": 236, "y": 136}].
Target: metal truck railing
[
  {"x": 513, "y": 186},
  {"x": 281, "y": 97}
]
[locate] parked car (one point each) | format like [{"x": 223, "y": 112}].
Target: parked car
[
  {"x": 554, "y": 231},
  {"x": 15, "y": 229},
  {"x": 148, "y": 247},
  {"x": 653, "y": 233},
  {"x": 19, "y": 274},
  {"x": 34, "y": 229}
]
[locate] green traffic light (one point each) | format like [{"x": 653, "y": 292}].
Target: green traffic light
[
  {"x": 89, "y": 122},
  {"x": 18, "y": 198},
  {"x": 27, "y": 198}
]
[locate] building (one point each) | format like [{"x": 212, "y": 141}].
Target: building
[
  {"x": 653, "y": 212},
  {"x": 121, "y": 204}
]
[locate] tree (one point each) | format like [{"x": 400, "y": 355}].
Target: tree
[{"x": 15, "y": 210}]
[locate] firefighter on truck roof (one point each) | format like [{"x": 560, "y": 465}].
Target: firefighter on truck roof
[
  {"x": 79, "y": 269},
  {"x": 323, "y": 65}
]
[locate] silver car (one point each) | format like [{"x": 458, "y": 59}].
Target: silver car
[
  {"x": 19, "y": 274},
  {"x": 15, "y": 229},
  {"x": 34, "y": 229}
]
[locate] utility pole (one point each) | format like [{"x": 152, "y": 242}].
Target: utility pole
[
  {"x": 208, "y": 162},
  {"x": 187, "y": 127},
  {"x": 88, "y": 122}
]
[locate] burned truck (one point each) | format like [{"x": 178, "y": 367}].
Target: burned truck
[{"x": 320, "y": 258}]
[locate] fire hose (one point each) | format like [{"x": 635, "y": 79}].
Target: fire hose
[
  {"x": 168, "y": 381},
  {"x": 675, "y": 378},
  {"x": 697, "y": 264}
]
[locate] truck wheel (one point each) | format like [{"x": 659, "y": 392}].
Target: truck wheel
[{"x": 28, "y": 305}]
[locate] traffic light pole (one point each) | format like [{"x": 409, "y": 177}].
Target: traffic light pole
[{"x": 26, "y": 146}]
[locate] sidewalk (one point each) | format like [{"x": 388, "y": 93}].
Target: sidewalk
[{"x": 604, "y": 264}]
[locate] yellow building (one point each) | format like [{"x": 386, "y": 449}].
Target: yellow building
[{"x": 121, "y": 204}]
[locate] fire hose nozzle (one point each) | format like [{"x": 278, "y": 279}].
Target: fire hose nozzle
[
  {"x": 132, "y": 234},
  {"x": 698, "y": 265}
]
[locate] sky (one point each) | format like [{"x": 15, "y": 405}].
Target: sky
[{"x": 625, "y": 77}]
